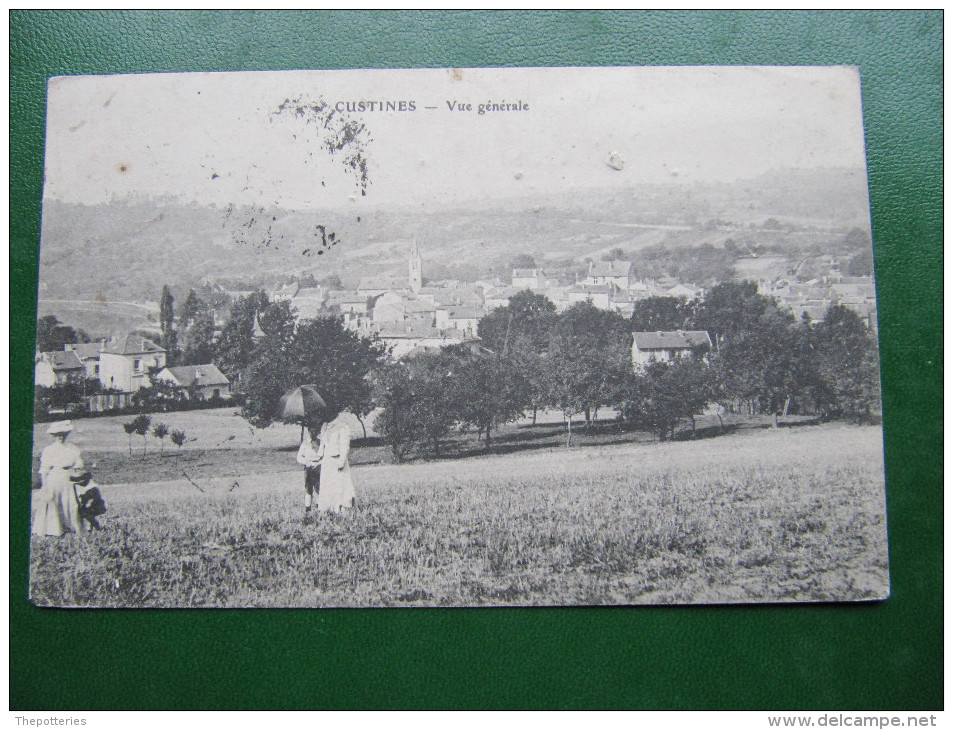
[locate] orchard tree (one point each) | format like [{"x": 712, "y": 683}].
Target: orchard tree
[
  {"x": 178, "y": 438},
  {"x": 141, "y": 425},
  {"x": 160, "y": 431},
  {"x": 588, "y": 358},
  {"x": 520, "y": 332},
  {"x": 417, "y": 401},
  {"x": 487, "y": 389},
  {"x": 662, "y": 394},
  {"x": 398, "y": 422},
  {"x": 130, "y": 429},
  {"x": 757, "y": 346}
]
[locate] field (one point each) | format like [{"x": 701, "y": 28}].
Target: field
[{"x": 789, "y": 514}]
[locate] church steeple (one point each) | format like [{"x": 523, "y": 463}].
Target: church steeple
[{"x": 414, "y": 268}]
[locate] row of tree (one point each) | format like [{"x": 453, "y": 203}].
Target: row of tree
[{"x": 763, "y": 360}]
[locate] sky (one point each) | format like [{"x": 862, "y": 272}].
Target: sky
[{"x": 219, "y": 138}]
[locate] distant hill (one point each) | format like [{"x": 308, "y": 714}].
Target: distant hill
[{"x": 126, "y": 251}]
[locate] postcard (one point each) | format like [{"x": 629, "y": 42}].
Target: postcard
[{"x": 457, "y": 337}]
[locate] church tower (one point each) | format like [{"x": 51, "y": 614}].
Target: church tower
[{"x": 414, "y": 265}]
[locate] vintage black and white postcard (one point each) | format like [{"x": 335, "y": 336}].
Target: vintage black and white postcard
[{"x": 457, "y": 337}]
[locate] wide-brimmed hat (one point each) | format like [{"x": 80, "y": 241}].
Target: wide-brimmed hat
[{"x": 60, "y": 427}]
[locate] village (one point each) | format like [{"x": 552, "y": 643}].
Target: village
[{"x": 410, "y": 314}]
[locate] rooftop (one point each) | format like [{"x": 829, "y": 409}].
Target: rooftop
[
  {"x": 200, "y": 375},
  {"x": 671, "y": 340},
  {"x": 63, "y": 360},
  {"x": 131, "y": 345}
]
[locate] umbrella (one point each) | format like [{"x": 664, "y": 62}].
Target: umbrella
[{"x": 303, "y": 404}]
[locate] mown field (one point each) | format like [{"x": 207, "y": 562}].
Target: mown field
[{"x": 790, "y": 514}]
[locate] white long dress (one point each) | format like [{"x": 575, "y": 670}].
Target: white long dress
[
  {"x": 55, "y": 510},
  {"x": 337, "y": 486}
]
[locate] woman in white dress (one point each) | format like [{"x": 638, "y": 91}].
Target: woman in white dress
[
  {"x": 55, "y": 506},
  {"x": 337, "y": 486}
]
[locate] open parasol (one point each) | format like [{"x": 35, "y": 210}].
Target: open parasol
[{"x": 302, "y": 405}]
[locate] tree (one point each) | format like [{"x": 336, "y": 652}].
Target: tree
[
  {"x": 661, "y": 313},
  {"x": 192, "y": 307},
  {"x": 161, "y": 395},
  {"x": 847, "y": 363},
  {"x": 321, "y": 352},
  {"x": 198, "y": 341},
  {"x": 527, "y": 315},
  {"x": 523, "y": 261},
  {"x": 236, "y": 345},
  {"x": 178, "y": 438},
  {"x": 52, "y": 335},
  {"x": 331, "y": 281},
  {"x": 160, "y": 431},
  {"x": 757, "y": 346},
  {"x": 141, "y": 425},
  {"x": 167, "y": 323},
  {"x": 520, "y": 332},
  {"x": 130, "y": 429},
  {"x": 487, "y": 388},
  {"x": 663, "y": 393},
  {"x": 861, "y": 263},
  {"x": 397, "y": 423},
  {"x": 588, "y": 359},
  {"x": 417, "y": 403}
]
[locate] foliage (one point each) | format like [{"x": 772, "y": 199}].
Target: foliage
[
  {"x": 140, "y": 426},
  {"x": 320, "y": 352},
  {"x": 178, "y": 438},
  {"x": 757, "y": 347},
  {"x": 167, "y": 323},
  {"x": 861, "y": 263},
  {"x": 161, "y": 395},
  {"x": 663, "y": 393},
  {"x": 704, "y": 265},
  {"x": 524, "y": 323},
  {"x": 661, "y": 313},
  {"x": 487, "y": 389},
  {"x": 847, "y": 365},
  {"x": 236, "y": 344},
  {"x": 130, "y": 429},
  {"x": 588, "y": 358},
  {"x": 52, "y": 335},
  {"x": 160, "y": 431},
  {"x": 417, "y": 401},
  {"x": 398, "y": 422},
  {"x": 198, "y": 340}
]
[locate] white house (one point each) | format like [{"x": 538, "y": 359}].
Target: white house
[
  {"x": 617, "y": 273},
  {"x": 202, "y": 382},
  {"x": 665, "y": 346},
  {"x": 528, "y": 279},
  {"x": 124, "y": 364},
  {"x": 402, "y": 337},
  {"x": 57, "y": 368}
]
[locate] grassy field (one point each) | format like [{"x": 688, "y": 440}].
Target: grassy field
[{"x": 788, "y": 514}]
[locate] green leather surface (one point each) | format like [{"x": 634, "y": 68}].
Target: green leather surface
[{"x": 879, "y": 656}]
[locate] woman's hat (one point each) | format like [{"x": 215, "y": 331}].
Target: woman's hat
[{"x": 60, "y": 427}]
